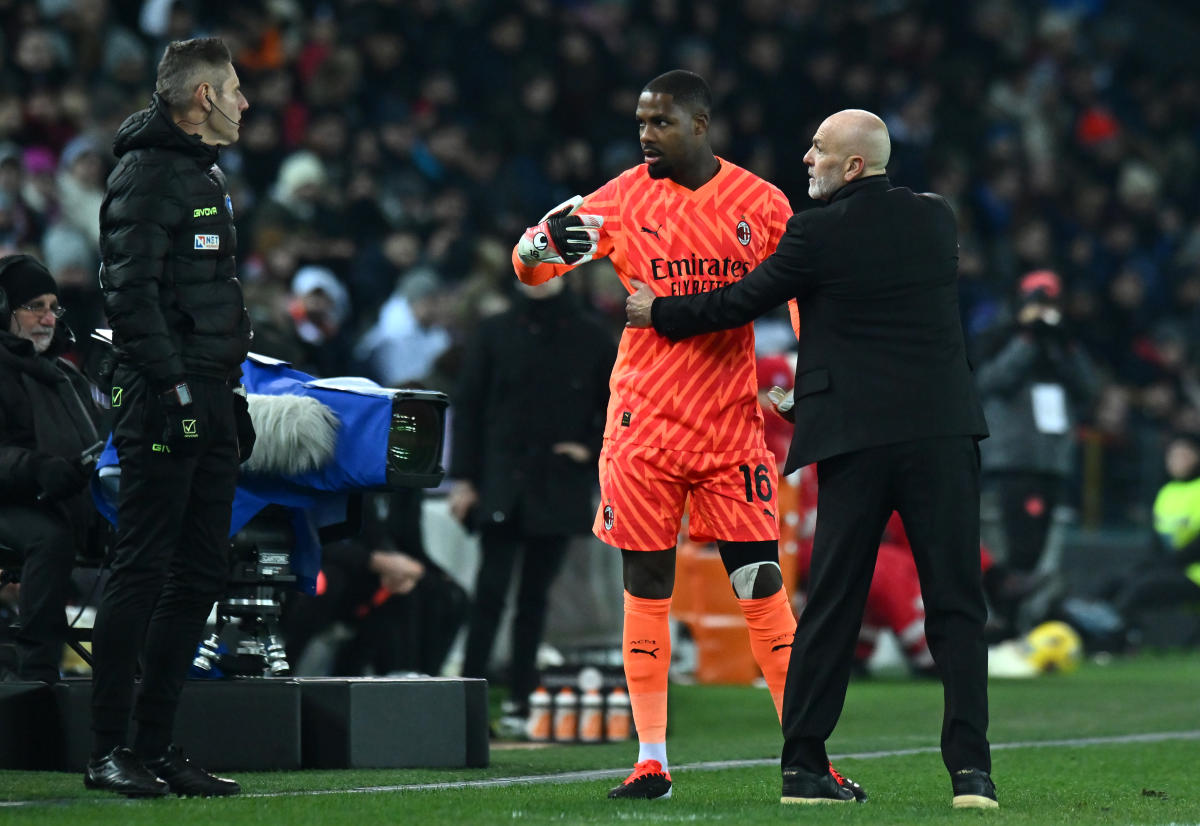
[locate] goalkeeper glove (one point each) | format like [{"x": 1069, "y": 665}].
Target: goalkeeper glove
[
  {"x": 784, "y": 402},
  {"x": 561, "y": 236}
]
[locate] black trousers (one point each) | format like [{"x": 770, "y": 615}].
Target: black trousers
[
  {"x": 542, "y": 558},
  {"x": 170, "y": 561},
  {"x": 47, "y": 546},
  {"x": 1027, "y": 502},
  {"x": 934, "y": 485}
]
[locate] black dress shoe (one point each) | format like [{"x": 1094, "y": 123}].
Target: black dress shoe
[
  {"x": 973, "y": 789},
  {"x": 188, "y": 780},
  {"x": 120, "y": 771},
  {"x": 800, "y": 786}
]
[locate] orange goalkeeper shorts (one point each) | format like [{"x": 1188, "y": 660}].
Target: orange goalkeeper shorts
[{"x": 644, "y": 490}]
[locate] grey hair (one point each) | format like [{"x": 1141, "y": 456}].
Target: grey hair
[{"x": 186, "y": 64}]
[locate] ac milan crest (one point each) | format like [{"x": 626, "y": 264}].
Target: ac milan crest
[
  {"x": 608, "y": 517},
  {"x": 743, "y": 233}
]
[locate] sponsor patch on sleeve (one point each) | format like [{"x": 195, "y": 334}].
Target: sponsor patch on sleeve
[{"x": 207, "y": 242}]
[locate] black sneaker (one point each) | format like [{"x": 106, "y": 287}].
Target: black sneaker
[
  {"x": 800, "y": 786},
  {"x": 187, "y": 779},
  {"x": 648, "y": 782},
  {"x": 973, "y": 789},
  {"x": 120, "y": 771},
  {"x": 860, "y": 794}
]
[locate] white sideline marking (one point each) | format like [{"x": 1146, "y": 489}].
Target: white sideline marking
[
  {"x": 707, "y": 765},
  {"x": 714, "y": 765}
]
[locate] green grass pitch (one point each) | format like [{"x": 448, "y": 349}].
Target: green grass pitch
[{"x": 1113, "y": 744}]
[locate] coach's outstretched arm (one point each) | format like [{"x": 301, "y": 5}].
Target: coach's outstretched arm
[{"x": 783, "y": 275}]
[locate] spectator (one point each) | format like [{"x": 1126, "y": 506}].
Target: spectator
[
  {"x": 306, "y": 328},
  {"x": 401, "y": 348},
  {"x": 73, "y": 260},
  {"x": 48, "y": 418},
  {"x": 81, "y": 173},
  {"x": 294, "y": 209}
]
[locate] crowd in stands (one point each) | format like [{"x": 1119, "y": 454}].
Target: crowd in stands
[{"x": 393, "y": 152}]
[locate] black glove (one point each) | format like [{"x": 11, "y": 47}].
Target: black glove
[
  {"x": 182, "y": 428},
  {"x": 568, "y": 234},
  {"x": 59, "y": 478},
  {"x": 245, "y": 426}
]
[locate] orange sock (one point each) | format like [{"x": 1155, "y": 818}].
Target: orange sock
[
  {"x": 772, "y": 626},
  {"x": 646, "y": 642}
]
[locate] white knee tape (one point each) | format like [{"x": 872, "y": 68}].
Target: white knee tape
[{"x": 744, "y": 579}]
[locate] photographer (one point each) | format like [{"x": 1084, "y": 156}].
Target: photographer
[
  {"x": 48, "y": 419},
  {"x": 1033, "y": 378}
]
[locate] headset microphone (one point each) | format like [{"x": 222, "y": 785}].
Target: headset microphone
[{"x": 218, "y": 108}]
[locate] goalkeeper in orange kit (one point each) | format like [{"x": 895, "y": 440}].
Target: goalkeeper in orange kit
[{"x": 684, "y": 425}]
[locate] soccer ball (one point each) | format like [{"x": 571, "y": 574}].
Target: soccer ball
[{"x": 1053, "y": 646}]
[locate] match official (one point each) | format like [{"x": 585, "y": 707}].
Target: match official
[{"x": 181, "y": 332}]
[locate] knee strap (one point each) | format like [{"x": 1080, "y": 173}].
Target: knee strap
[{"x": 756, "y": 580}]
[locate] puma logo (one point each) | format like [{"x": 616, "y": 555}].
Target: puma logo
[
  {"x": 653, "y": 232},
  {"x": 768, "y": 513},
  {"x": 781, "y": 646},
  {"x": 652, "y": 653}
]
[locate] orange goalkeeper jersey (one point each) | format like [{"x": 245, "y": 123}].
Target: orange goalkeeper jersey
[{"x": 698, "y": 394}]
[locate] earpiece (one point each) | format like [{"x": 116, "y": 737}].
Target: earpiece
[{"x": 219, "y": 109}]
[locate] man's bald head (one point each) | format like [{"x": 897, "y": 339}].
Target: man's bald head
[
  {"x": 864, "y": 133},
  {"x": 848, "y": 145}
]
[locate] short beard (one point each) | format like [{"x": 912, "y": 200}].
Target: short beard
[
  {"x": 658, "y": 170},
  {"x": 816, "y": 191}
]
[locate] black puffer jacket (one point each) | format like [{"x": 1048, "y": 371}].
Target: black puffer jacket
[
  {"x": 46, "y": 409},
  {"x": 532, "y": 377},
  {"x": 168, "y": 246}
]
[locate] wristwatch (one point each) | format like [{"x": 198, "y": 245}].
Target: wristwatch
[{"x": 179, "y": 395}]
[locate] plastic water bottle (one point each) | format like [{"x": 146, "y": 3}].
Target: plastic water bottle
[
  {"x": 590, "y": 679},
  {"x": 618, "y": 717},
  {"x": 566, "y": 715},
  {"x": 591, "y": 717},
  {"x": 538, "y": 727}
]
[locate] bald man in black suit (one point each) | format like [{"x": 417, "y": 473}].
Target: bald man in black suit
[{"x": 885, "y": 404}]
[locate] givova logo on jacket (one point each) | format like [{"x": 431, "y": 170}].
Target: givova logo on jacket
[{"x": 207, "y": 242}]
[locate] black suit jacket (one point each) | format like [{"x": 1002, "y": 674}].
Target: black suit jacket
[{"x": 881, "y": 352}]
